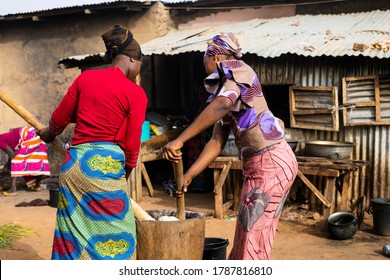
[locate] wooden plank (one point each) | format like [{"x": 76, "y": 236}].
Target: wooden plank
[
  {"x": 335, "y": 166},
  {"x": 344, "y": 98},
  {"x": 218, "y": 190},
  {"x": 152, "y": 156},
  {"x": 330, "y": 194},
  {"x": 323, "y": 199},
  {"x": 356, "y": 79},
  {"x": 159, "y": 141},
  {"x": 138, "y": 181},
  {"x": 312, "y": 112},
  {"x": 220, "y": 162},
  {"x": 314, "y": 88},
  {"x": 226, "y": 159},
  {"x": 292, "y": 106},
  {"x": 236, "y": 190},
  {"x": 326, "y": 160},
  {"x": 319, "y": 119},
  {"x": 147, "y": 179},
  {"x": 222, "y": 177},
  {"x": 377, "y": 101},
  {"x": 368, "y": 123},
  {"x": 345, "y": 192},
  {"x": 218, "y": 198},
  {"x": 366, "y": 104},
  {"x": 131, "y": 183},
  {"x": 318, "y": 171}
]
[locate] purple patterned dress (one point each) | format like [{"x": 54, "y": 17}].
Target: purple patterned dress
[{"x": 269, "y": 164}]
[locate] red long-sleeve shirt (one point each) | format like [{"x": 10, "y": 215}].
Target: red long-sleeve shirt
[{"x": 106, "y": 107}]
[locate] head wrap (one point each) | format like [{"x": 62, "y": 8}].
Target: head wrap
[
  {"x": 224, "y": 43},
  {"x": 119, "y": 40}
]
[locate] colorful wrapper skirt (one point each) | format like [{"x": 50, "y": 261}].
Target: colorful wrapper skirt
[
  {"x": 95, "y": 219},
  {"x": 31, "y": 157},
  {"x": 267, "y": 181}
]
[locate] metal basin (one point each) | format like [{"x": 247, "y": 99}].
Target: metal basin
[
  {"x": 293, "y": 144},
  {"x": 329, "y": 149}
]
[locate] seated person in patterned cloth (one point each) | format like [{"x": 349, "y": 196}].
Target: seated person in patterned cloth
[{"x": 27, "y": 157}]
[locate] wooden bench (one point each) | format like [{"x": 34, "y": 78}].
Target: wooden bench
[{"x": 332, "y": 170}]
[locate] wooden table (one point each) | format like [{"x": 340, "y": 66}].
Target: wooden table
[
  {"x": 335, "y": 172},
  {"x": 222, "y": 166},
  {"x": 150, "y": 151}
]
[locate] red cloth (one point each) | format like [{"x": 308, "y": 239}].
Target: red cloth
[{"x": 106, "y": 107}]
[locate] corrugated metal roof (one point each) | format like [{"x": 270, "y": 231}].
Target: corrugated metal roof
[
  {"x": 25, "y": 7},
  {"x": 355, "y": 34},
  {"x": 22, "y": 6},
  {"x": 307, "y": 35}
]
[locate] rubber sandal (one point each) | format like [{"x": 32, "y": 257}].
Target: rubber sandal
[
  {"x": 34, "y": 189},
  {"x": 9, "y": 194}
]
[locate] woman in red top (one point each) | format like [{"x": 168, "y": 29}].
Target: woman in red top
[{"x": 95, "y": 218}]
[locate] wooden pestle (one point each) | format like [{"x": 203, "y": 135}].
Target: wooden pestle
[
  {"x": 178, "y": 174},
  {"x": 180, "y": 205}
]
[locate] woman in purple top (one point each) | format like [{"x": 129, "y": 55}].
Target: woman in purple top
[{"x": 237, "y": 104}]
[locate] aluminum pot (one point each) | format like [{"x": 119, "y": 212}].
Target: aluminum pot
[
  {"x": 342, "y": 225},
  {"x": 293, "y": 144},
  {"x": 230, "y": 148},
  {"x": 329, "y": 149}
]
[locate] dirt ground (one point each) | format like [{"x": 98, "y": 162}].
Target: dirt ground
[{"x": 300, "y": 234}]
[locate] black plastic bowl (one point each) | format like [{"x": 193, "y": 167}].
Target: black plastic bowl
[
  {"x": 342, "y": 225},
  {"x": 53, "y": 194}
]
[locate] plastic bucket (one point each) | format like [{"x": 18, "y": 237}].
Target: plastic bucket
[
  {"x": 145, "y": 135},
  {"x": 215, "y": 248},
  {"x": 53, "y": 194},
  {"x": 381, "y": 215}
]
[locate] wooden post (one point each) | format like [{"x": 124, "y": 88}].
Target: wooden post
[
  {"x": 147, "y": 179},
  {"x": 236, "y": 189},
  {"x": 330, "y": 193},
  {"x": 344, "y": 192},
  {"x": 218, "y": 191}
]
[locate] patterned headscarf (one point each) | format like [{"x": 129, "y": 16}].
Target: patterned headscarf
[
  {"x": 224, "y": 43},
  {"x": 119, "y": 40}
]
